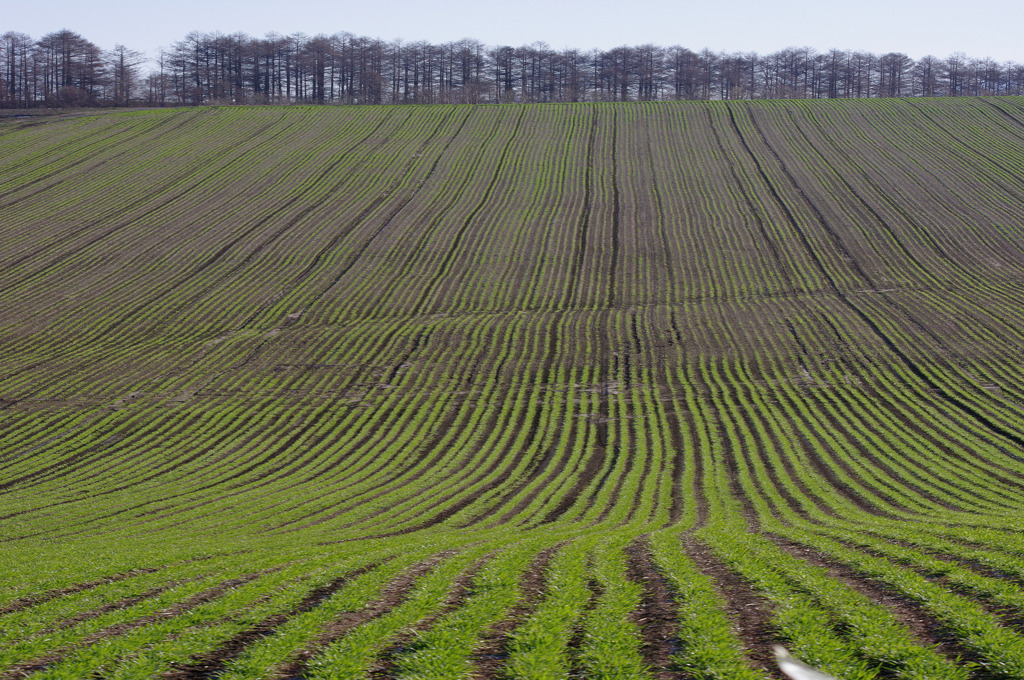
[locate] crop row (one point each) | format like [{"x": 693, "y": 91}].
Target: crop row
[{"x": 454, "y": 391}]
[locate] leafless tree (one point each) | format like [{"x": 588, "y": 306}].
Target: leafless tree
[
  {"x": 893, "y": 75},
  {"x": 69, "y": 69},
  {"x": 16, "y": 83},
  {"x": 953, "y": 74},
  {"x": 64, "y": 69},
  {"x": 124, "y": 74}
]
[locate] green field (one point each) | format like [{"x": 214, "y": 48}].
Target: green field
[{"x": 523, "y": 391}]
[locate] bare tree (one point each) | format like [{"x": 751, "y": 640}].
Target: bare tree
[
  {"x": 953, "y": 74},
  {"x": 64, "y": 69},
  {"x": 124, "y": 74},
  {"x": 833, "y": 72},
  {"x": 15, "y": 70},
  {"x": 316, "y": 54},
  {"x": 893, "y": 75},
  {"x": 69, "y": 70},
  {"x": 926, "y": 77}
]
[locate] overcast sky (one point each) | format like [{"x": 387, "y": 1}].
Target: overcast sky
[{"x": 979, "y": 28}]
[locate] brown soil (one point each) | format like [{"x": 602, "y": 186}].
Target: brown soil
[
  {"x": 542, "y": 463},
  {"x": 120, "y": 604},
  {"x": 657, "y": 617},
  {"x": 210, "y": 664},
  {"x": 394, "y": 594},
  {"x": 491, "y": 654},
  {"x": 32, "y": 600},
  {"x": 576, "y": 641},
  {"x": 750, "y": 612},
  {"x": 973, "y": 565},
  {"x": 595, "y": 460},
  {"x": 26, "y": 668},
  {"x": 510, "y": 457},
  {"x": 923, "y": 628},
  {"x": 386, "y": 666},
  {"x": 1008, "y": 616},
  {"x": 675, "y": 436}
]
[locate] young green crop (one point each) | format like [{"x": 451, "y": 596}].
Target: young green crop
[{"x": 293, "y": 342}]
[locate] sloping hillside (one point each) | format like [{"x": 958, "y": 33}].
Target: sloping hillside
[{"x": 513, "y": 391}]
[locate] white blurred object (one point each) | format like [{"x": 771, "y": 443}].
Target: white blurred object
[{"x": 796, "y": 669}]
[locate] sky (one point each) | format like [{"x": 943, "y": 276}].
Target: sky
[{"x": 978, "y": 28}]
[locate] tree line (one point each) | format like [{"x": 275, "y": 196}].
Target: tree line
[{"x": 65, "y": 69}]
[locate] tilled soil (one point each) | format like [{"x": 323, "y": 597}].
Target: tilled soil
[
  {"x": 25, "y": 668},
  {"x": 212, "y": 663},
  {"x": 393, "y": 595},
  {"x": 658, "y": 616},
  {"x": 387, "y": 666},
  {"x": 492, "y": 652},
  {"x": 750, "y": 612},
  {"x": 33, "y": 600}
]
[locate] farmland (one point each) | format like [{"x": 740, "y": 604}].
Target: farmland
[{"x": 626, "y": 390}]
